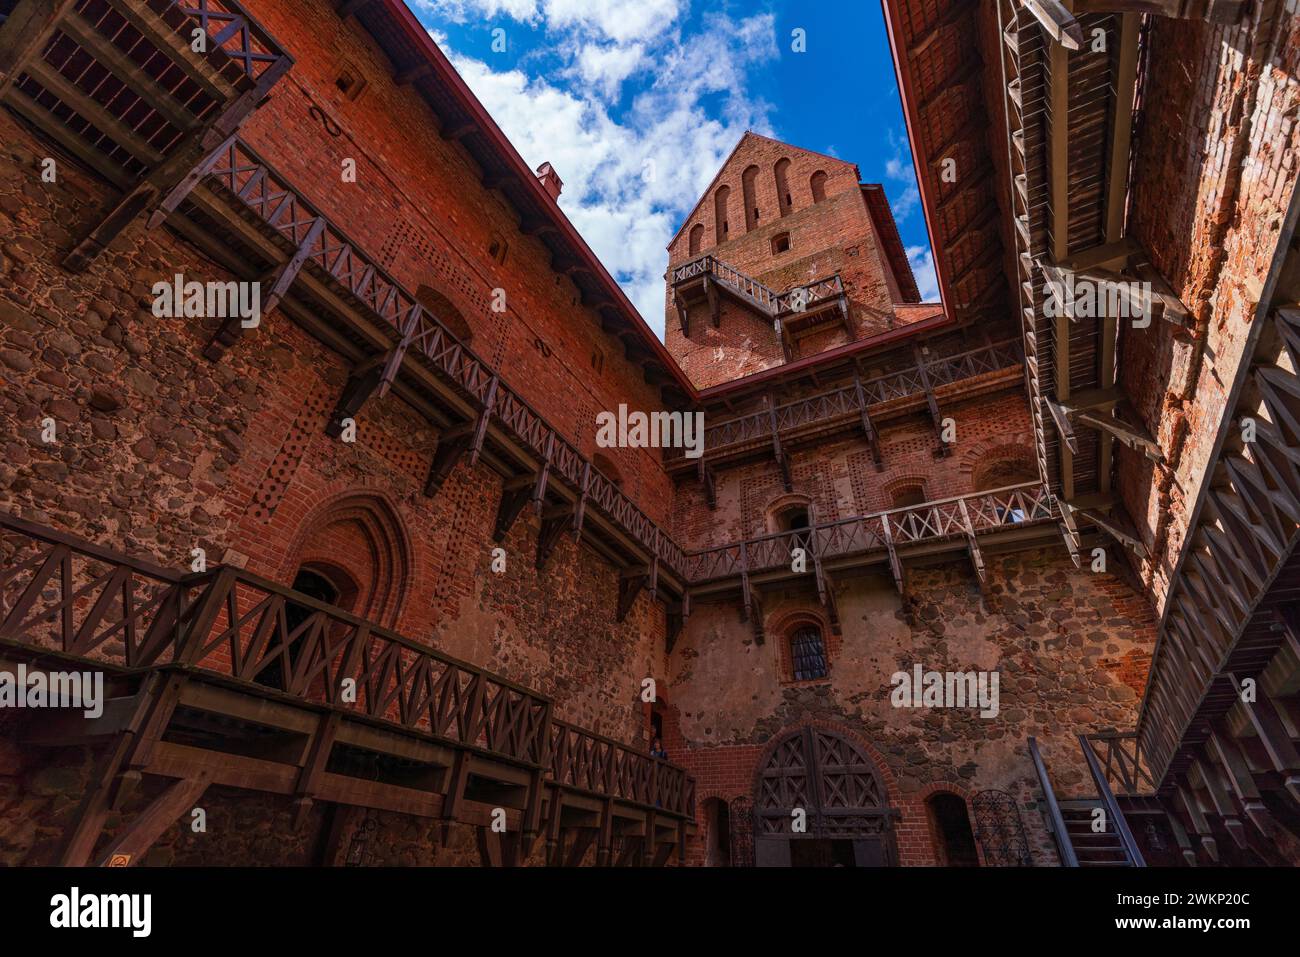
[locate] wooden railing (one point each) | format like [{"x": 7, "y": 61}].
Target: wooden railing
[
  {"x": 232, "y": 30},
  {"x": 68, "y": 597},
  {"x": 1055, "y": 819},
  {"x": 584, "y": 761},
  {"x": 883, "y": 531},
  {"x": 772, "y": 303},
  {"x": 1107, "y": 796},
  {"x": 249, "y": 180},
  {"x": 848, "y": 401},
  {"x": 1121, "y": 762}
]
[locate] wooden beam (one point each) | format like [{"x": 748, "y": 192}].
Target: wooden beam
[
  {"x": 1057, "y": 22},
  {"x": 25, "y": 33},
  {"x": 133, "y": 842},
  {"x": 452, "y": 444}
]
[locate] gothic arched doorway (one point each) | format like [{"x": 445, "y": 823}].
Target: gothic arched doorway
[{"x": 846, "y": 822}]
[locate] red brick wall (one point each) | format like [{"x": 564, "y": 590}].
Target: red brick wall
[{"x": 836, "y": 235}]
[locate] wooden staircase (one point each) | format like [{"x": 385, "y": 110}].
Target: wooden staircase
[{"x": 1084, "y": 837}]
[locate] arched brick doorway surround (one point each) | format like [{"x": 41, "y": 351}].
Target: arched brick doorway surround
[
  {"x": 358, "y": 543},
  {"x": 821, "y": 770}
]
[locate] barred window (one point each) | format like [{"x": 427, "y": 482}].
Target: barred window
[{"x": 807, "y": 654}]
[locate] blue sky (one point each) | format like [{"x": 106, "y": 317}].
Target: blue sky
[{"x": 637, "y": 103}]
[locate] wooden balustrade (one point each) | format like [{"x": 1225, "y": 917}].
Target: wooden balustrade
[
  {"x": 847, "y": 403},
  {"x": 62, "y": 596},
  {"x": 885, "y": 532}
]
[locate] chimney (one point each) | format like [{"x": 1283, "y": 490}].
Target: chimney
[{"x": 551, "y": 180}]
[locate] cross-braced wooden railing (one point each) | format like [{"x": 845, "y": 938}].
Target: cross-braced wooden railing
[
  {"x": 65, "y": 596},
  {"x": 584, "y": 761},
  {"x": 953, "y": 518},
  {"x": 767, "y": 300},
  {"x": 848, "y": 402},
  {"x": 1119, "y": 756},
  {"x": 331, "y": 255},
  {"x": 233, "y": 31}
]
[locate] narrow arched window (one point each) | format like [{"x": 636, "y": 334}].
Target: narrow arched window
[
  {"x": 748, "y": 183},
  {"x": 441, "y": 308},
  {"x": 807, "y": 653},
  {"x": 720, "y": 226},
  {"x": 818, "y": 184},
  {"x": 696, "y": 239},
  {"x": 783, "y": 198}
]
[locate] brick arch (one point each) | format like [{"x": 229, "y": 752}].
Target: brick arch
[
  {"x": 884, "y": 774},
  {"x": 947, "y": 786},
  {"x": 357, "y": 540},
  {"x": 781, "y": 503},
  {"x": 781, "y": 625},
  {"x": 978, "y": 459}
]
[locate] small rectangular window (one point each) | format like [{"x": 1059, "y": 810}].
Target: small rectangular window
[{"x": 780, "y": 243}]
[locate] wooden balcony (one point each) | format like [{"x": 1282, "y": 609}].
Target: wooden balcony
[
  {"x": 137, "y": 91},
  {"x": 1017, "y": 516},
  {"x": 794, "y": 312},
  {"x": 880, "y": 398},
  {"x": 227, "y": 678}
]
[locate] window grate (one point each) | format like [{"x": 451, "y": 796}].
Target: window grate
[{"x": 808, "y": 654}]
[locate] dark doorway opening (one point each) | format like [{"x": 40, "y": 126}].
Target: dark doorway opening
[
  {"x": 817, "y": 852},
  {"x": 952, "y": 827},
  {"x": 313, "y": 586}
]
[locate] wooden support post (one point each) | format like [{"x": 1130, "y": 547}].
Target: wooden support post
[
  {"x": 1273, "y": 736},
  {"x": 1196, "y": 815},
  {"x": 1180, "y": 833},
  {"x": 173, "y": 197},
  {"x": 782, "y": 462},
  {"x": 971, "y": 544},
  {"x": 1241, "y": 779},
  {"x": 282, "y": 277},
  {"x": 868, "y": 429},
  {"x": 630, "y": 584},
  {"x": 484, "y": 416},
  {"x": 715, "y": 305},
  {"x": 583, "y": 838},
  {"x": 133, "y": 842},
  {"x": 923, "y": 372},
  {"x": 452, "y": 444},
  {"x": 683, "y": 317},
  {"x": 605, "y": 838},
  {"x": 1223, "y": 803},
  {"x": 309, "y": 776},
  {"x": 580, "y": 506},
  {"x": 548, "y": 537},
  {"x": 554, "y": 834},
  {"x": 895, "y": 566},
  {"x": 705, "y": 475}
]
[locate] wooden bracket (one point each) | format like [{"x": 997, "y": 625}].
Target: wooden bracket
[
  {"x": 705, "y": 475},
  {"x": 548, "y": 537},
  {"x": 133, "y": 842},
  {"x": 452, "y": 444},
  {"x": 868, "y": 429}
]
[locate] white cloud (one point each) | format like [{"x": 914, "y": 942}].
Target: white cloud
[
  {"x": 927, "y": 282},
  {"x": 630, "y": 180},
  {"x": 623, "y": 21},
  {"x": 604, "y": 68}
]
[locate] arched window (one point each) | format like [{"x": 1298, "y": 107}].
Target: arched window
[
  {"x": 818, "y": 184},
  {"x": 607, "y": 468},
  {"x": 782, "y": 173},
  {"x": 697, "y": 239},
  {"x": 720, "y": 199},
  {"x": 717, "y": 818},
  {"x": 950, "y": 825},
  {"x": 807, "y": 653},
  {"x": 440, "y": 307},
  {"x": 748, "y": 182},
  {"x": 905, "y": 496},
  {"x": 331, "y": 586}
]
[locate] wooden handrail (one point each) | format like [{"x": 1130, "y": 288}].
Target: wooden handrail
[
  {"x": 1063, "y": 845},
  {"x": 1112, "y": 806}
]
